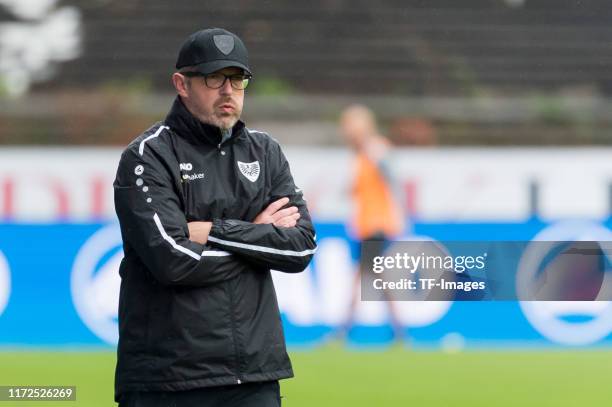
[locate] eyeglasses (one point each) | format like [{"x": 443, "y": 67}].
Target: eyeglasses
[{"x": 217, "y": 80}]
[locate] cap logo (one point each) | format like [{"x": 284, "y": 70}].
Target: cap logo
[{"x": 224, "y": 43}]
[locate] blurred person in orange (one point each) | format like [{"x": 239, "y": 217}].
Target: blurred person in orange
[{"x": 377, "y": 215}]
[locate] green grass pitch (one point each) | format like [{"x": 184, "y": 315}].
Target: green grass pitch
[{"x": 335, "y": 376}]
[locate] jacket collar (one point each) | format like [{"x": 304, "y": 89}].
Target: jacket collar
[{"x": 182, "y": 122}]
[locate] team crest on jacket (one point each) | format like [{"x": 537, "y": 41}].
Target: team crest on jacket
[{"x": 249, "y": 170}]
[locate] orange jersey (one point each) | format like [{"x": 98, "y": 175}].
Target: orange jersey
[{"x": 376, "y": 209}]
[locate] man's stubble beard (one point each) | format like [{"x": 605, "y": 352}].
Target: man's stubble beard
[{"x": 225, "y": 122}]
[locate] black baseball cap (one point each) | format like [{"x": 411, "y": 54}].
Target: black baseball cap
[{"x": 212, "y": 49}]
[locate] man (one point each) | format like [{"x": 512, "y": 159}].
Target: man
[
  {"x": 377, "y": 215},
  {"x": 207, "y": 208}
]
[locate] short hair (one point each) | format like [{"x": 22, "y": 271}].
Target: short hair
[{"x": 184, "y": 69}]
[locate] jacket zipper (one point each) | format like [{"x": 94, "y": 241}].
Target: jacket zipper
[
  {"x": 219, "y": 149},
  {"x": 236, "y": 350},
  {"x": 233, "y": 320}
]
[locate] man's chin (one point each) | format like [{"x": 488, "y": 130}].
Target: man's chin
[
  {"x": 226, "y": 124},
  {"x": 223, "y": 122}
]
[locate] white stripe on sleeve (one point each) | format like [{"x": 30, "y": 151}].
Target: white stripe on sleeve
[
  {"x": 156, "y": 134},
  {"x": 262, "y": 248},
  {"x": 182, "y": 249}
]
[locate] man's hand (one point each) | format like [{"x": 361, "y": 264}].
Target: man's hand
[
  {"x": 285, "y": 218},
  {"x": 288, "y": 217},
  {"x": 198, "y": 231}
]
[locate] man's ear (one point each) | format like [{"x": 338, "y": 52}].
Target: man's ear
[{"x": 180, "y": 84}]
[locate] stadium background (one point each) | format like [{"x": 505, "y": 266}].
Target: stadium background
[{"x": 500, "y": 113}]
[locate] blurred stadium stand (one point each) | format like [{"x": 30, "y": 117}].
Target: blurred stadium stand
[{"x": 482, "y": 71}]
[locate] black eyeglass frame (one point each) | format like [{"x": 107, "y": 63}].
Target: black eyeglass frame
[{"x": 191, "y": 74}]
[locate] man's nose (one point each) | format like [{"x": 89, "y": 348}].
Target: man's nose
[{"x": 226, "y": 89}]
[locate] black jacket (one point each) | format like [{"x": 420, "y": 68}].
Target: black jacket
[{"x": 193, "y": 315}]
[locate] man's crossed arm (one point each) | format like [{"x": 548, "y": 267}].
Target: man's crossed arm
[
  {"x": 275, "y": 238},
  {"x": 287, "y": 218}
]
